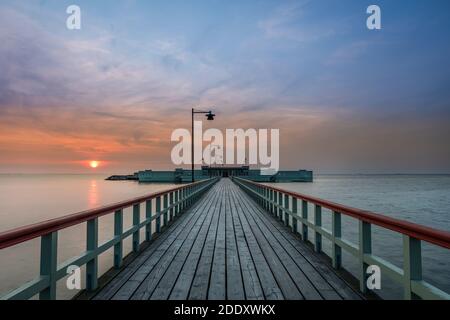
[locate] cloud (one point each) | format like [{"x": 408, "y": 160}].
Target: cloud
[
  {"x": 286, "y": 23},
  {"x": 348, "y": 53}
]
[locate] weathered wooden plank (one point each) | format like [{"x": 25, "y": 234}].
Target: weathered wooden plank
[
  {"x": 235, "y": 286},
  {"x": 252, "y": 285},
  {"x": 217, "y": 283},
  {"x": 184, "y": 282},
  {"x": 268, "y": 283},
  {"x": 285, "y": 282},
  {"x": 200, "y": 284},
  {"x": 188, "y": 254}
]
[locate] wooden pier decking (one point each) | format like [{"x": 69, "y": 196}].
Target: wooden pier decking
[{"x": 227, "y": 247}]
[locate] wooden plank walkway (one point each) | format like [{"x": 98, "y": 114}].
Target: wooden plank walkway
[{"x": 227, "y": 247}]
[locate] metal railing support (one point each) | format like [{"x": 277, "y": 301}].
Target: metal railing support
[
  {"x": 118, "y": 230},
  {"x": 91, "y": 246},
  {"x": 49, "y": 260}
]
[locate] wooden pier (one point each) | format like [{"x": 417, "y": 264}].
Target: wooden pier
[
  {"x": 227, "y": 239},
  {"x": 226, "y": 247}
]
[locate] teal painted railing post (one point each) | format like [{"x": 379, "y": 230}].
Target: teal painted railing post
[
  {"x": 166, "y": 211},
  {"x": 172, "y": 210},
  {"x": 180, "y": 201},
  {"x": 294, "y": 211},
  {"x": 92, "y": 245},
  {"x": 259, "y": 200},
  {"x": 271, "y": 201},
  {"x": 136, "y": 221},
  {"x": 183, "y": 199},
  {"x": 176, "y": 211},
  {"x": 188, "y": 195},
  {"x": 275, "y": 202},
  {"x": 317, "y": 223},
  {"x": 263, "y": 197},
  {"x": 266, "y": 199},
  {"x": 412, "y": 264},
  {"x": 148, "y": 216},
  {"x": 49, "y": 260},
  {"x": 365, "y": 247},
  {"x": 336, "y": 230},
  {"x": 158, "y": 214},
  {"x": 305, "y": 219},
  {"x": 118, "y": 231},
  {"x": 280, "y": 206},
  {"x": 286, "y": 206}
]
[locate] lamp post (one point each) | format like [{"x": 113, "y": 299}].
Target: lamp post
[{"x": 210, "y": 117}]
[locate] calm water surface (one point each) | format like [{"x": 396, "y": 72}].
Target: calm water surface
[{"x": 26, "y": 199}]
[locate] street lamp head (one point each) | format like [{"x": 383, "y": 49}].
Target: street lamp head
[{"x": 210, "y": 116}]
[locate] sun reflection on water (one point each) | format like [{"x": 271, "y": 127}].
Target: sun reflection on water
[{"x": 93, "y": 194}]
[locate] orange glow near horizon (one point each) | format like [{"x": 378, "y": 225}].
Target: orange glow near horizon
[{"x": 94, "y": 164}]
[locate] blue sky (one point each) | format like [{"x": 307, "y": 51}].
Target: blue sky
[{"x": 375, "y": 101}]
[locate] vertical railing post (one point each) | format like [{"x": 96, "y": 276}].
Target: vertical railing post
[
  {"x": 148, "y": 216},
  {"x": 172, "y": 210},
  {"x": 274, "y": 201},
  {"x": 305, "y": 220},
  {"x": 176, "y": 211},
  {"x": 294, "y": 211},
  {"x": 91, "y": 246},
  {"x": 266, "y": 197},
  {"x": 180, "y": 203},
  {"x": 49, "y": 260},
  {"x": 166, "y": 211},
  {"x": 271, "y": 201},
  {"x": 261, "y": 197},
  {"x": 318, "y": 224},
  {"x": 412, "y": 264},
  {"x": 286, "y": 206},
  {"x": 118, "y": 231},
  {"x": 158, "y": 214},
  {"x": 280, "y": 206},
  {"x": 365, "y": 247},
  {"x": 188, "y": 195},
  {"x": 336, "y": 230},
  {"x": 136, "y": 222},
  {"x": 183, "y": 201}
]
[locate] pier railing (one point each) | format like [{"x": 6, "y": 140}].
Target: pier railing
[
  {"x": 284, "y": 204},
  {"x": 168, "y": 204}
]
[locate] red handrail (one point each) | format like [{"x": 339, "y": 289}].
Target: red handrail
[
  {"x": 435, "y": 236},
  {"x": 22, "y": 234}
]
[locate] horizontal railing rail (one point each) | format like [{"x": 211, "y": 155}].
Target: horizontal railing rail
[
  {"x": 284, "y": 204},
  {"x": 168, "y": 204}
]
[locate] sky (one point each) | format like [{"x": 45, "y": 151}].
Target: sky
[{"x": 345, "y": 98}]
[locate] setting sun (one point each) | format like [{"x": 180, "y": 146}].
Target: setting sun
[{"x": 94, "y": 164}]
